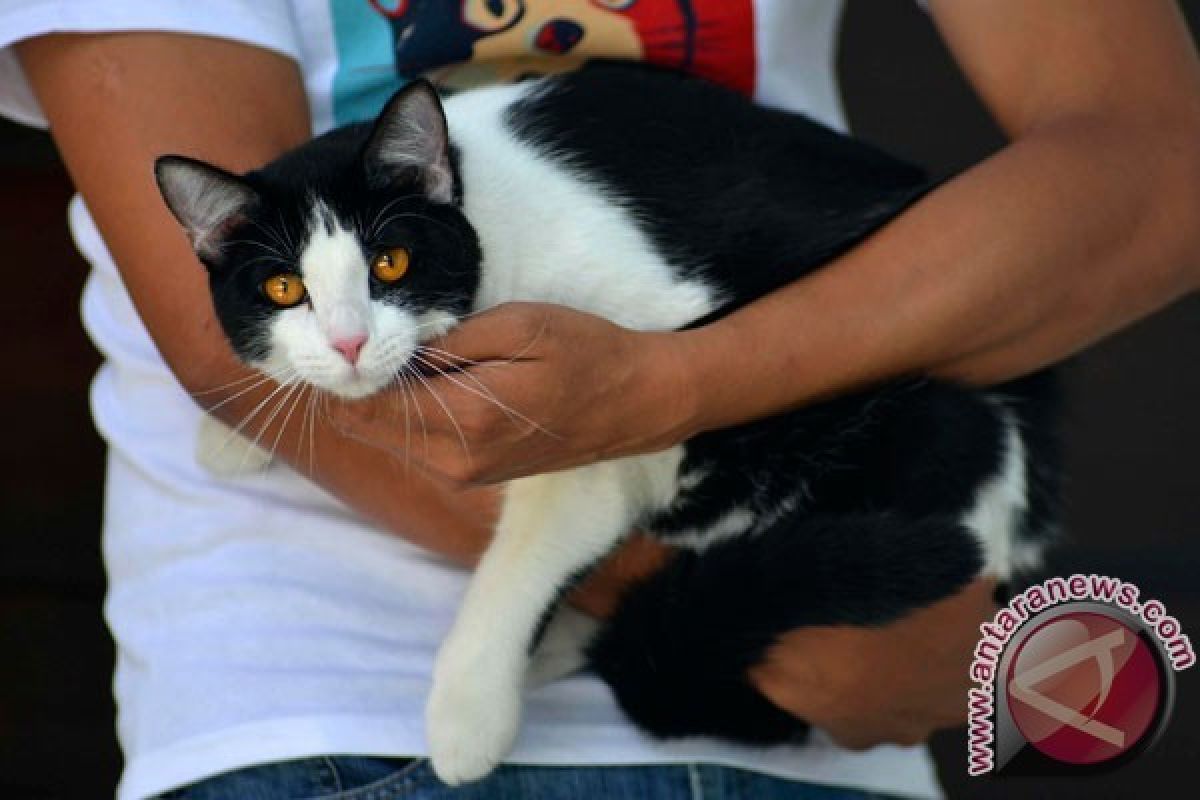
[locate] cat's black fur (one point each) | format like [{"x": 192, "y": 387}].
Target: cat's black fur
[
  {"x": 876, "y": 482},
  {"x": 858, "y": 501},
  {"x": 718, "y": 183},
  {"x": 875, "y": 485}
]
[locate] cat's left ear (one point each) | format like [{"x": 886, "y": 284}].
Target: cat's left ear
[
  {"x": 411, "y": 135},
  {"x": 207, "y": 200}
]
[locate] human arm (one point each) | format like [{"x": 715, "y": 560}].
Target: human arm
[
  {"x": 92, "y": 88},
  {"x": 115, "y": 102},
  {"x": 1082, "y": 224}
]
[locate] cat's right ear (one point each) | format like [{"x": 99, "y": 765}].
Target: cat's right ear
[
  {"x": 207, "y": 200},
  {"x": 410, "y": 138}
]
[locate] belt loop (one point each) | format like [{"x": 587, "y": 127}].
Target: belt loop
[{"x": 696, "y": 782}]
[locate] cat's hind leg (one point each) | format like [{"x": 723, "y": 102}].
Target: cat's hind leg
[
  {"x": 677, "y": 651},
  {"x": 562, "y": 648}
]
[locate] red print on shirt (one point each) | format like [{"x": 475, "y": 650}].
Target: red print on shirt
[{"x": 505, "y": 39}]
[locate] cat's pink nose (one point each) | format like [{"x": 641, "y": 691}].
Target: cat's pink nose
[{"x": 350, "y": 346}]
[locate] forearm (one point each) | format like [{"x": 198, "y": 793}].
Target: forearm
[
  {"x": 116, "y": 103},
  {"x": 395, "y": 493},
  {"x": 993, "y": 275},
  {"x": 1074, "y": 230},
  {"x": 1083, "y": 224}
]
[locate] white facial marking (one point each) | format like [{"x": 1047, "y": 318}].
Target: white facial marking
[
  {"x": 335, "y": 274},
  {"x": 310, "y": 341}
]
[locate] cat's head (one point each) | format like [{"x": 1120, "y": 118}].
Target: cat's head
[{"x": 334, "y": 262}]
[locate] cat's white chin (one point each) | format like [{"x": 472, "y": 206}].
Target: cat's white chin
[
  {"x": 355, "y": 388},
  {"x": 343, "y": 381}
]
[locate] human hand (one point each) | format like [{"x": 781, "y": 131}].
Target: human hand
[
  {"x": 895, "y": 684},
  {"x": 528, "y": 388}
]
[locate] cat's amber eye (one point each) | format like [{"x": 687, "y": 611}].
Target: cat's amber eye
[
  {"x": 285, "y": 290},
  {"x": 390, "y": 265}
]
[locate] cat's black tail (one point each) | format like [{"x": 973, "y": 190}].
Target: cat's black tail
[{"x": 677, "y": 650}]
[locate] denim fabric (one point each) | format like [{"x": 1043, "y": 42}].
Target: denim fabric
[{"x": 361, "y": 778}]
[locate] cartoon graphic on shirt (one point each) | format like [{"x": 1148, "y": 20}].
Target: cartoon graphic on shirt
[
  {"x": 428, "y": 34},
  {"x": 464, "y": 43}
]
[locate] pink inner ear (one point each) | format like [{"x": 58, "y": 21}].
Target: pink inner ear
[
  {"x": 228, "y": 225},
  {"x": 210, "y": 241}
]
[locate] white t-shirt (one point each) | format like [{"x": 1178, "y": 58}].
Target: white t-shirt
[{"x": 258, "y": 619}]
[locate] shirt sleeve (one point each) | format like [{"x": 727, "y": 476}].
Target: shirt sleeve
[{"x": 265, "y": 23}]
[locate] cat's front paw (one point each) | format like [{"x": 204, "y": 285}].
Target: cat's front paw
[
  {"x": 472, "y": 717},
  {"x": 226, "y": 453}
]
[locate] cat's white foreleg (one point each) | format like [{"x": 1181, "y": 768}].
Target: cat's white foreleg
[
  {"x": 552, "y": 527},
  {"x": 543, "y": 538}
]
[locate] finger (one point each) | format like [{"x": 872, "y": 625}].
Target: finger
[
  {"x": 440, "y": 456},
  {"x": 462, "y": 438},
  {"x": 402, "y": 418},
  {"x": 503, "y": 333}
]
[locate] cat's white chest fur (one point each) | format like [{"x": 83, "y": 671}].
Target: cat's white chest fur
[{"x": 548, "y": 234}]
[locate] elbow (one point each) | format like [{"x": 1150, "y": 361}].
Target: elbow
[
  {"x": 1163, "y": 173},
  {"x": 1178, "y": 194},
  {"x": 1189, "y": 266},
  {"x": 1154, "y": 154}
]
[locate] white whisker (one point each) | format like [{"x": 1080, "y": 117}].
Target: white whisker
[
  {"x": 268, "y": 246},
  {"x": 283, "y": 425},
  {"x": 254, "y": 411},
  {"x": 417, "y": 407},
  {"x": 446, "y": 356},
  {"x": 403, "y": 388},
  {"x": 422, "y": 217},
  {"x": 294, "y": 387},
  {"x": 262, "y": 379},
  {"x": 446, "y": 409},
  {"x": 485, "y": 393},
  {"x": 375, "y": 225},
  {"x": 304, "y": 418},
  {"x": 231, "y": 384}
]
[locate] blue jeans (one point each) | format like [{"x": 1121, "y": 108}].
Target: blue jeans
[{"x": 361, "y": 778}]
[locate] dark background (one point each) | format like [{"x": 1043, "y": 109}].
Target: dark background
[{"x": 1132, "y": 505}]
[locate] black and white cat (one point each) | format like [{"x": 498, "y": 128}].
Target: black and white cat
[{"x": 659, "y": 202}]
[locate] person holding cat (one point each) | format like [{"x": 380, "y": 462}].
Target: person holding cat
[{"x": 263, "y": 627}]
